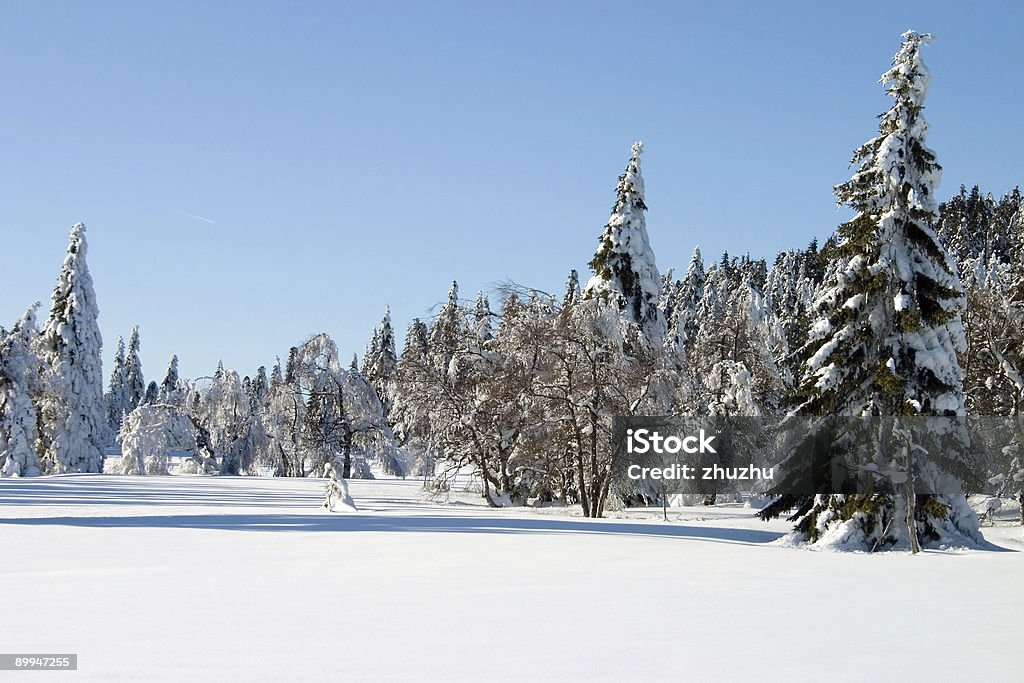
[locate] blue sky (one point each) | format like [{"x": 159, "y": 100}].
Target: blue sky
[{"x": 253, "y": 173}]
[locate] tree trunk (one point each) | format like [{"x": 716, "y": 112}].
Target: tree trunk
[
  {"x": 487, "y": 492},
  {"x": 346, "y": 451},
  {"x": 908, "y": 491}
]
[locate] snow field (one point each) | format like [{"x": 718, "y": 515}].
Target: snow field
[{"x": 224, "y": 579}]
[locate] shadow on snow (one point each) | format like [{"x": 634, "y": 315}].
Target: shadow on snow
[{"x": 354, "y": 522}]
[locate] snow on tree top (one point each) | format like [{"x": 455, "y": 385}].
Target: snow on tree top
[{"x": 624, "y": 265}]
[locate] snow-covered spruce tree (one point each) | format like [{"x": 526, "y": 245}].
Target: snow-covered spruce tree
[
  {"x": 669, "y": 293},
  {"x": 790, "y": 294},
  {"x": 116, "y": 398},
  {"x": 276, "y": 374},
  {"x": 259, "y": 390},
  {"x": 482, "y": 329},
  {"x": 889, "y": 325},
  {"x": 683, "y": 323},
  {"x": 624, "y": 269},
  {"x": 421, "y": 378},
  {"x": 74, "y": 426},
  {"x": 572, "y": 289},
  {"x": 20, "y": 377},
  {"x": 410, "y": 412},
  {"x": 152, "y": 393},
  {"x": 381, "y": 361},
  {"x": 442, "y": 339},
  {"x": 171, "y": 392},
  {"x": 387, "y": 362},
  {"x": 135, "y": 383},
  {"x": 736, "y": 334},
  {"x": 965, "y": 225}
]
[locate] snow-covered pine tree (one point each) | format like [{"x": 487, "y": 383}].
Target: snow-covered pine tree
[
  {"x": 276, "y": 375},
  {"x": 684, "y": 323},
  {"x": 625, "y": 272},
  {"x": 443, "y": 338},
  {"x": 372, "y": 351},
  {"x": 789, "y": 293},
  {"x": 259, "y": 389},
  {"x": 116, "y": 397},
  {"x": 135, "y": 384},
  {"x": 152, "y": 393},
  {"x": 74, "y": 426},
  {"x": 170, "y": 391},
  {"x": 889, "y": 328},
  {"x": 735, "y": 334},
  {"x": 572, "y": 289},
  {"x": 381, "y": 361},
  {"x": 20, "y": 376},
  {"x": 669, "y": 292},
  {"x": 388, "y": 361},
  {"x": 409, "y": 414},
  {"x": 482, "y": 329},
  {"x": 812, "y": 266}
]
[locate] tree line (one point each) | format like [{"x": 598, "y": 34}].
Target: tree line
[{"x": 911, "y": 308}]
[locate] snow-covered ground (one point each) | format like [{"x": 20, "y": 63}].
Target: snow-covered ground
[{"x": 224, "y": 579}]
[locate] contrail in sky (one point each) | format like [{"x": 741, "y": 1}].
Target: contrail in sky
[{"x": 198, "y": 218}]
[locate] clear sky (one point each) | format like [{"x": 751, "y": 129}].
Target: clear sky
[{"x": 253, "y": 173}]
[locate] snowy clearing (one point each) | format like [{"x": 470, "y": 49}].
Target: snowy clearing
[{"x": 223, "y": 579}]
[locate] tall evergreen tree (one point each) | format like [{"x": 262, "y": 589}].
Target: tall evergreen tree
[
  {"x": 20, "y": 374},
  {"x": 572, "y": 289},
  {"x": 74, "y": 425},
  {"x": 260, "y": 389},
  {"x": 152, "y": 394},
  {"x": 624, "y": 269},
  {"x": 483, "y": 331},
  {"x": 684, "y": 321},
  {"x": 409, "y": 413},
  {"x": 135, "y": 384},
  {"x": 443, "y": 338},
  {"x": 116, "y": 397},
  {"x": 381, "y": 362},
  {"x": 381, "y": 359},
  {"x": 372, "y": 351},
  {"x": 276, "y": 375},
  {"x": 170, "y": 391},
  {"x": 889, "y": 325}
]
